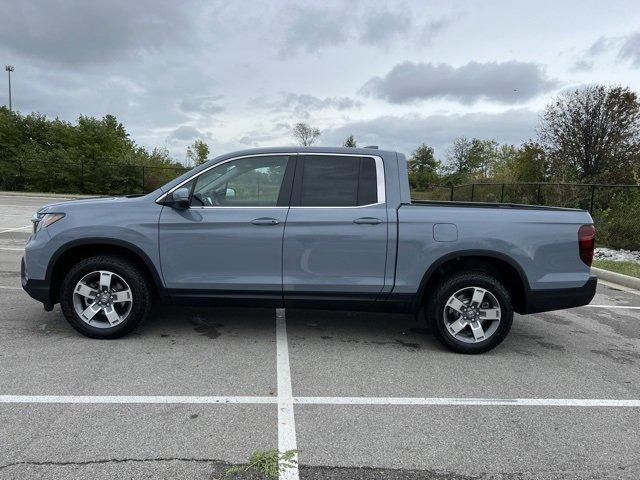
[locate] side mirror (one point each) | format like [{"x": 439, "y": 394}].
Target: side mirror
[
  {"x": 230, "y": 194},
  {"x": 179, "y": 199}
]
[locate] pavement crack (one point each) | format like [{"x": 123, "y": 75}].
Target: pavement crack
[{"x": 110, "y": 460}]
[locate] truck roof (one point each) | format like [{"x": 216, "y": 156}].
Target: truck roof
[
  {"x": 384, "y": 154},
  {"x": 336, "y": 150}
]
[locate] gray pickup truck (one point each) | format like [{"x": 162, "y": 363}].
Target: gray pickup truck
[{"x": 328, "y": 228}]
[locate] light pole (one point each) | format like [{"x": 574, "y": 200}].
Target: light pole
[{"x": 9, "y": 69}]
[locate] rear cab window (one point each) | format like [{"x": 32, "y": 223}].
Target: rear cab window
[{"x": 335, "y": 181}]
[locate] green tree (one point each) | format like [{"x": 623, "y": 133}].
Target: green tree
[
  {"x": 305, "y": 134},
  {"x": 592, "y": 134},
  {"x": 468, "y": 159},
  {"x": 527, "y": 163},
  {"x": 197, "y": 153},
  {"x": 350, "y": 142},
  {"x": 95, "y": 155},
  {"x": 423, "y": 168}
]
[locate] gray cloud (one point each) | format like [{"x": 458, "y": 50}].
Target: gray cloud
[
  {"x": 405, "y": 133},
  {"x": 185, "y": 133},
  {"x": 383, "y": 26},
  {"x": 432, "y": 28},
  {"x": 312, "y": 28},
  {"x": 505, "y": 82},
  {"x": 600, "y": 46},
  {"x": 301, "y": 104},
  {"x": 627, "y": 48},
  {"x": 304, "y": 102},
  {"x": 77, "y": 32},
  {"x": 204, "y": 105},
  {"x": 582, "y": 66},
  {"x": 630, "y": 49}
]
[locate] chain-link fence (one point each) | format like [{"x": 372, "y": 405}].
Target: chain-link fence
[
  {"x": 614, "y": 208},
  {"x": 93, "y": 176}
]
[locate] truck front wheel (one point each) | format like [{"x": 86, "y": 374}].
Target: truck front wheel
[
  {"x": 470, "y": 312},
  {"x": 105, "y": 296}
]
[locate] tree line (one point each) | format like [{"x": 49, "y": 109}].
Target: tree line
[
  {"x": 586, "y": 135},
  {"x": 94, "y": 155}
]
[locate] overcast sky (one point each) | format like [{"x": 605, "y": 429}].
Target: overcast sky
[{"x": 240, "y": 74}]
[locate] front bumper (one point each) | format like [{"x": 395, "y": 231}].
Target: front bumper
[
  {"x": 557, "y": 299},
  {"x": 37, "y": 289}
]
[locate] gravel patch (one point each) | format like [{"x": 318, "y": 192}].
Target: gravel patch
[{"x": 617, "y": 255}]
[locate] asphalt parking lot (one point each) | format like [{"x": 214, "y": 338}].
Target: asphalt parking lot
[{"x": 359, "y": 395}]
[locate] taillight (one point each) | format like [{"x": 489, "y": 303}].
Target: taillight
[{"x": 586, "y": 243}]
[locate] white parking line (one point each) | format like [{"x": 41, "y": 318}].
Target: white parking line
[
  {"x": 14, "y": 229},
  {"x": 12, "y": 249},
  {"x": 3, "y": 287},
  {"x": 286, "y": 419},
  {"x": 444, "y": 401},
  {"x": 518, "y": 402},
  {"x": 613, "y": 306},
  {"x": 135, "y": 399}
]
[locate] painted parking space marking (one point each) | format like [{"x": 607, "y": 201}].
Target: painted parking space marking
[
  {"x": 136, "y": 399},
  {"x": 518, "y": 402},
  {"x": 10, "y": 249},
  {"x": 3, "y": 287},
  {"x": 286, "y": 419},
  {"x": 286, "y": 434},
  {"x": 15, "y": 229},
  {"x": 614, "y": 306}
]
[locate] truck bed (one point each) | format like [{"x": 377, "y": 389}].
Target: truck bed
[{"x": 447, "y": 203}]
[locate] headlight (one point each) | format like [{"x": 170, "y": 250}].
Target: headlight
[{"x": 42, "y": 220}]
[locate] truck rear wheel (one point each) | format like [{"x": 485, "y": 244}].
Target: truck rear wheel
[
  {"x": 105, "y": 296},
  {"x": 470, "y": 312}
]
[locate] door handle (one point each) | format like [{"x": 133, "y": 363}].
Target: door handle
[
  {"x": 265, "y": 221},
  {"x": 367, "y": 221}
]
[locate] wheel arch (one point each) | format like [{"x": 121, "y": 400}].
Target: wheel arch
[
  {"x": 500, "y": 265},
  {"x": 77, "y": 250}
]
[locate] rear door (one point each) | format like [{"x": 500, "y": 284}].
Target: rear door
[{"x": 335, "y": 238}]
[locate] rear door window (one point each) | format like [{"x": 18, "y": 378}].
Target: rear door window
[{"x": 337, "y": 181}]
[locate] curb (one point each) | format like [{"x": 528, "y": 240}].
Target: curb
[{"x": 619, "y": 278}]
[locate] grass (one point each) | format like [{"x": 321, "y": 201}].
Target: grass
[
  {"x": 270, "y": 463},
  {"x": 627, "y": 268}
]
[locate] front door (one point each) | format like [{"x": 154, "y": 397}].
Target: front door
[
  {"x": 335, "y": 239},
  {"x": 228, "y": 244}
]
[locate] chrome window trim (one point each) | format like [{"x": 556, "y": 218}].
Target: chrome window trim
[{"x": 380, "y": 178}]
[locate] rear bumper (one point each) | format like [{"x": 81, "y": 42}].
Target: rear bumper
[
  {"x": 557, "y": 299},
  {"x": 37, "y": 289}
]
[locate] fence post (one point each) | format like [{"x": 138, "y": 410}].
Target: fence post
[
  {"x": 502, "y": 194},
  {"x": 593, "y": 194},
  {"x": 473, "y": 187},
  {"x": 539, "y": 194},
  {"x": 143, "y": 179},
  {"x": 452, "y": 187}
]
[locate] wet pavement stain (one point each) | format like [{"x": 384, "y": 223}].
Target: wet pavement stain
[
  {"x": 415, "y": 346},
  {"x": 420, "y": 331},
  {"x": 205, "y": 327},
  {"x": 554, "y": 319},
  {"x": 619, "y": 356},
  {"x": 551, "y": 346}
]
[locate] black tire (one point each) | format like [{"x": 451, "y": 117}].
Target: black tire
[
  {"x": 455, "y": 282},
  {"x": 138, "y": 283}
]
